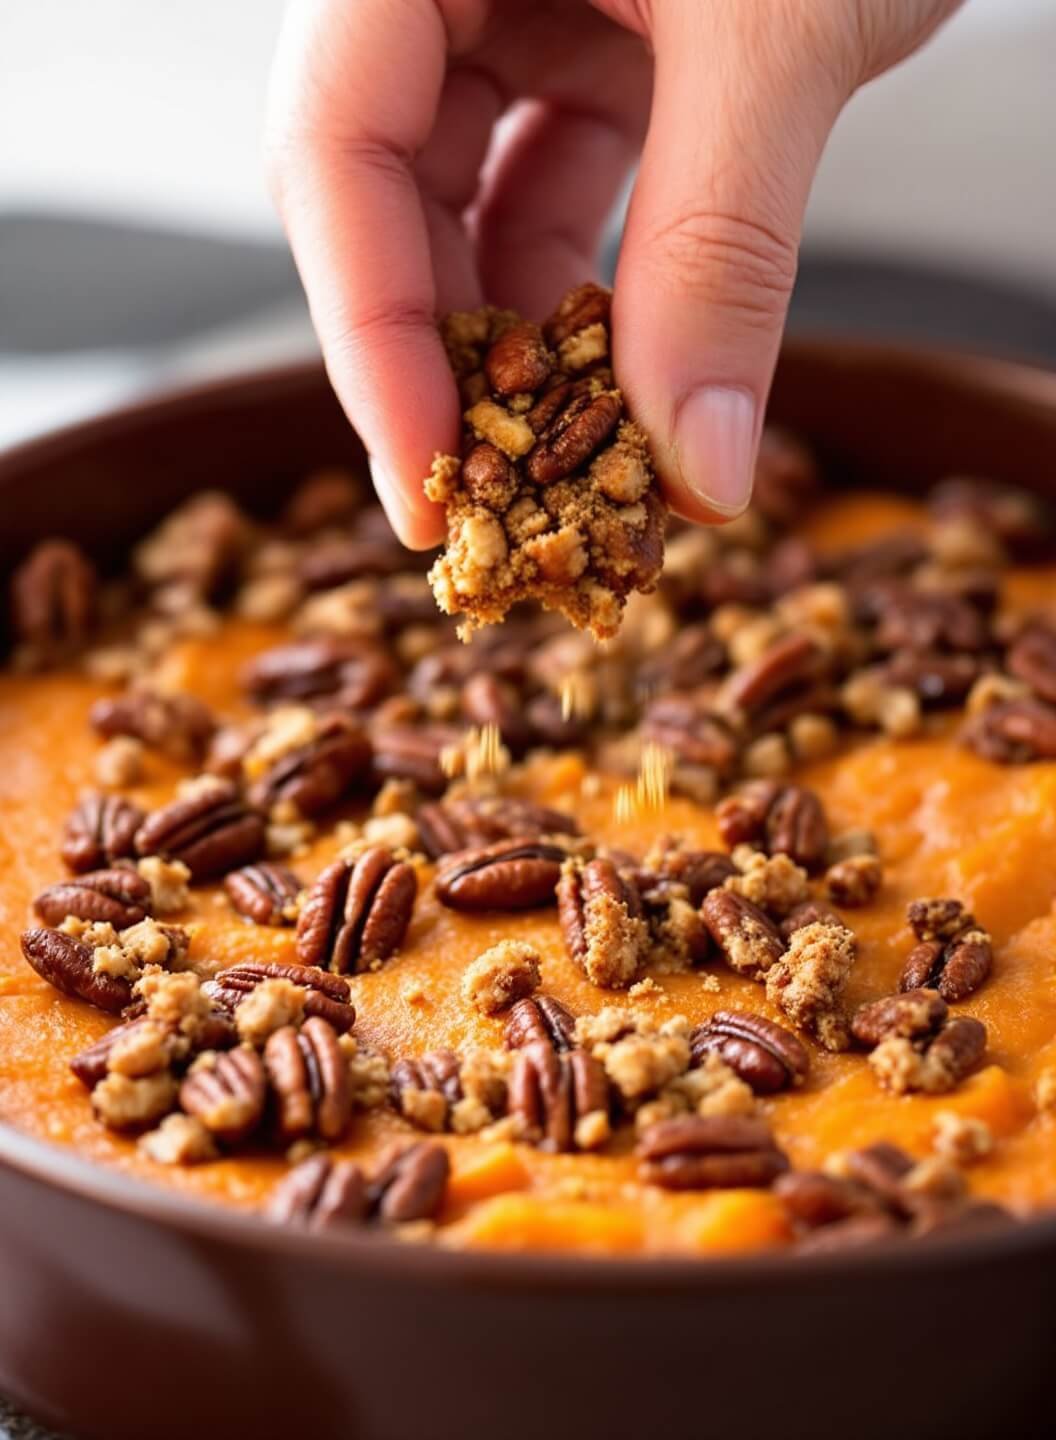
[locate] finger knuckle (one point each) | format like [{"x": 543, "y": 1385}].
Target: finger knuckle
[{"x": 726, "y": 260}]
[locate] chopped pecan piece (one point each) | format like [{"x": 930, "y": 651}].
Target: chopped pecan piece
[
  {"x": 320, "y": 1194},
  {"x": 326, "y": 996},
  {"x": 601, "y": 920},
  {"x": 314, "y": 776},
  {"x": 914, "y": 619},
  {"x": 701, "y": 1152},
  {"x": 356, "y": 913},
  {"x": 121, "y": 897},
  {"x": 539, "y": 1019},
  {"x": 53, "y": 595},
  {"x": 308, "y": 1074},
  {"x": 552, "y": 1093},
  {"x": 516, "y": 874},
  {"x": 180, "y": 725},
  {"x": 351, "y": 673},
  {"x": 69, "y": 965},
  {"x": 424, "y": 1090},
  {"x": 209, "y": 831},
  {"x": 811, "y": 912},
  {"x": 747, "y": 936},
  {"x": 785, "y": 819},
  {"x": 854, "y": 881},
  {"x": 1032, "y": 658},
  {"x": 414, "y": 752},
  {"x": 265, "y": 893},
  {"x": 915, "y": 1014},
  {"x": 226, "y": 1092},
  {"x": 101, "y": 829},
  {"x": 766, "y": 1056},
  {"x": 1013, "y": 732},
  {"x": 470, "y": 821}
]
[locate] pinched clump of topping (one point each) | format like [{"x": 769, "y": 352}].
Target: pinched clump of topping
[
  {"x": 554, "y": 497},
  {"x": 268, "y": 1007},
  {"x": 168, "y": 884},
  {"x": 639, "y": 1056},
  {"x": 711, "y": 1088},
  {"x": 179, "y": 1140},
  {"x": 773, "y": 882},
  {"x": 807, "y": 982},
  {"x": 125, "y": 954},
  {"x": 123, "y": 1102},
  {"x": 961, "y": 1139},
  {"x": 507, "y": 972}
]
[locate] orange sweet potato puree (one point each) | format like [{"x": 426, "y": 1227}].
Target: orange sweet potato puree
[{"x": 947, "y": 822}]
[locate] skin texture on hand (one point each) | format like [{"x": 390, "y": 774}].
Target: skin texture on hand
[{"x": 427, "y": 155}]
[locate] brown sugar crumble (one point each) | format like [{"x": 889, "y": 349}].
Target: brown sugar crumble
[{"x": 553, "y": 497}]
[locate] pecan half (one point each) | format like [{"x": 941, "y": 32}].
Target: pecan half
[
  {"x": 580, "y": 428},
  {"x": 211, "y": 831},
  {"x": 355, "y": 673},
  {"x": 539, "y": 1020},
  {"x": 586, "y": 305},
  {"x": 356, "y": 914},
  {"x": 53, "y": 595},
  {"x": 691, "y": 731},
  {"x": 414, "y": 752},
  {"x": 309, "y": 1079},
  {"x": 68, "y": 965},
  {"x": 551, "y": 1092},
  {"x": 326, "y": 996},
  {"x": 101, "y": 829},
  {"x": 912, "y": 619},
  {"x": 766, "y": 1056},
  {"x": 793, "y": 660},
  {"x": 180, "y": 725},
  {"x": 489, "y": 700},
  {"x": 228, "y": 1094},
  {"x": 698, "y": 1152},
  {"x": 692, "y": 872},
  {"x": 811, "y": 912},
  {"x": 938, "y": 679},
  {"x": 955, "y": 969},
  {"x": 265, "y": 893},
  {"x": 784, "y": 819},
  {"x": 747, "y": 937},
  {"x": 693, "y": 656},
  {"x": 120, "y": 896},
  {"x": 518, "y": 361},
  {"x": 601, "y": 921},
  {"x": 410, "y": 1184},
  {"x": 471, "y": 821},
  {"x": 321, "y": 1194},
  {"x": 932, "y": 1063},
  {"x": 315, "y": 776},
  {"x": 1013, "y": 732},
  {"x": 516, "y": 874}
]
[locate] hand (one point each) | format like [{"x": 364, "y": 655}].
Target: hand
[{"x": 426, "y": 154}]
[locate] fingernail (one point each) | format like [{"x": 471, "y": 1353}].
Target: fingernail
[
  {"x": 715, "y": 446},
  {"x": 388, "y": 492}
]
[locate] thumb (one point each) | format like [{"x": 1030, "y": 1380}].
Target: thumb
[{"x": 745, "y": 96}]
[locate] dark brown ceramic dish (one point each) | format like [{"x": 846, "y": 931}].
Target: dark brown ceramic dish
[{"x": 126, "y": 1312}]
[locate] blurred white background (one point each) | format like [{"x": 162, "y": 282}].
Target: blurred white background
[{"x": 151, "y": 111}]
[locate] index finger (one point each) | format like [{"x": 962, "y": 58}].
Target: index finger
[{"x": 354, "y": 92}]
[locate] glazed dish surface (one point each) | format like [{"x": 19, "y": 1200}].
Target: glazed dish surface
[{"x": 944, "y": 760}]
